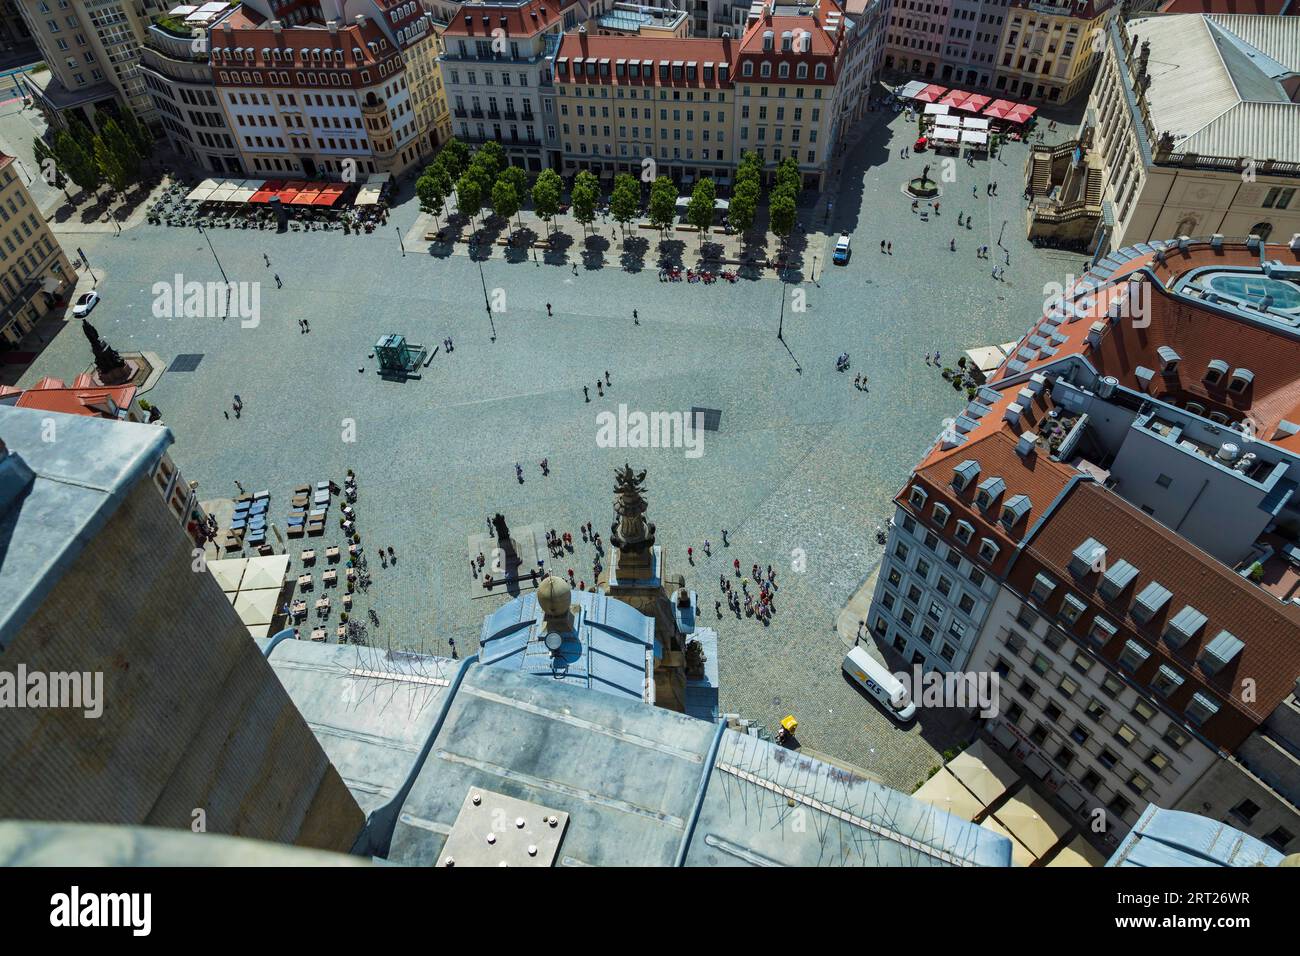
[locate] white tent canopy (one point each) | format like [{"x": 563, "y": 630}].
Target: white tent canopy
[
  {"x": 936, "y": 109},
  {"x": 975, "y": 137},
  {"x": 945, "y": 133},
  {"x": 228, "y": 572},
  {"x": 257, "y": 607},
  {"x": 945, "y": 120},
  {"x": 911, "y": 89},
  {"x": 975, "y": 122},
  {"x": 203, "y": 190},
  {"x": 265, "y": 572}
]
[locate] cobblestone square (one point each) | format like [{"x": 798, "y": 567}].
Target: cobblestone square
[{"x": 800, "y": 472}]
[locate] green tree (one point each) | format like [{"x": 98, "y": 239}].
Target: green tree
[
  {"x": 625, "y": 202},
  {"x": 51, "y": 166},
  {"x": 518, "y": 180},
  {"x": 699, "y": 211},
  {"x": 663, "y": 203},
  {"x": 789, "y": 178},
  {"x": 749, "y": 168},
  {"x": 744, "y": 206},
  {"x": 469, "y": 196},
  {"x": 138, "y": 132},
  {"x": 429, "y": 190},
  {"x": 110, "y": 166},
  {"x": 547, "y": 190},
  {"x": 781, "y": 211},
  {"x": 454, "y": 157},
  {"x": 505, "y": 201},
  {"x": 120, "y": 145},
  {"x": 585, "y": 194},
  {"x": 492, "y": 157},
  {"x": 77, "y": 162}
]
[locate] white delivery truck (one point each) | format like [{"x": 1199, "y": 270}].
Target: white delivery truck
[{"x": 876, "y": 680}]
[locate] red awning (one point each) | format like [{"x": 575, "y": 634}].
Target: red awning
[
  {"x": 268, "y": 190},
  {"x": 974, "y": 103},
  {"x": 998, "y": 109},
  {"x": 329, "y": 195},
  {"x": 306, "y": 196},
  {"x": 1020, "y": 113},
  {"x": 955, "y": 99},
  {"x": 930, "y": 94}
]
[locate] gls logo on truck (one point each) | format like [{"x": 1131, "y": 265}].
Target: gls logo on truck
[{"x": 76, "y": 909}]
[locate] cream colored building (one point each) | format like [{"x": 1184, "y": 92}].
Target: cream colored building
[
  {"x": 695, "y": 105},
  {"x": 92, "y": 49},
  {"x": 1192, "y": 128},
  {"x": 33, "y": 267},
  {"x": 1048, "y": 52}
]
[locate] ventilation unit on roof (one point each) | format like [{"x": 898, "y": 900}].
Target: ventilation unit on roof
[
  {"x": 1252, "y": 242},
  {"x": 1216, "y": 241}
]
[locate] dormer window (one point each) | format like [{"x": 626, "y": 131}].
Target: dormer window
[
  {"x": 1166, "y": 681},
  {"x": 1220, "y": 652},
  {"x": 1071, "y": 609},
  {"x": 1133, "y": 656},
  {"x": 988, "y": 550},
  {"x": 1088, "y": 557},
  {"x": 1119, "y": 576},
  {"x": 917, "y": 497},
  {"x": 965, "y": 473},
  {"x": 1043, "y": 587},
  {"x": 989, "y": 491},
  {"x": 1148, "y": 604},
  {"x": 1184, "y": 626},
  {"x": 1168, "y": 359},
  {"x": 1215, "y": 372},
  {"x": 965, "y": 531},
  {"x": 941, "y": 514},
  {"x": 1016, "y": 508},
  {"x": 1201, "y": 708},
  {"x": 1241, "y": 379}
]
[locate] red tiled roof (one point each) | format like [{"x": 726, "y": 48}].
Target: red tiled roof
[
  {"x": 51, "y": 395},
  {"x": 659, "y": 49},
  {"x": 479, "y": 20},
  {"x": 1269, "y": 629},
  {"x": 1199, "y": 335}
]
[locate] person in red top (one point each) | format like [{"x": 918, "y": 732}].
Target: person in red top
[{"x": 736, "y": 565}]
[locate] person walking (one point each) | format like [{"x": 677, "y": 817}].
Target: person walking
[
  {"x": 636, "y": 319},
  {"x": 268, "y": 260},
  {"x": 973, "y": 191},
  {"x": 959, "y": 222},
  {"x": 586, "y": 395},
  {"x": 239, "y": 485},
  {"x": 882, "y": 247},
  {"x": 575, "y": 268},
  {"x": 548, "y": 309},
  {"x": 607, "y": 381},
  {"x": 600, "y": 388},
  {"x": 278, "y": 283},
  {"x": 952, "y": 245}
]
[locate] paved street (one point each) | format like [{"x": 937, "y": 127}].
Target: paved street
[{"x": 803, "y": 466}]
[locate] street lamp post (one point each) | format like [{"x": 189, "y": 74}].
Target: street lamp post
[
  {"x": 487, "y": 302},
  {"x": 399, "y": 240},
  {"x": 220, "y": 268}
]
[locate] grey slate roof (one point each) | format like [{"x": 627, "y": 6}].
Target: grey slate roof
[
  {"x": 81, "y": 469},
  {"x": 628, "y": 774}
]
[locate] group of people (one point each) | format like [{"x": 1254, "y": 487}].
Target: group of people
[
  {"x": 744, "y": 601},
  {"x": 601, "y": 385}
]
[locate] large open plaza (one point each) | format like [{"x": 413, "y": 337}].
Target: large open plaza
[{"x": 800, "y": 470}]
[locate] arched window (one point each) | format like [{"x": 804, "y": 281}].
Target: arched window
[
  {"x": 801, "y": 71},
  {"x": 1262, "y": 229},
  {"x": 820, "y": 72},
  {"x": 765, "y": 70},
  {"x": 783, "y": 70}
]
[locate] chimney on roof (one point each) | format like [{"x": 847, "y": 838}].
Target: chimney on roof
[{"x": 1094, "y": 333}]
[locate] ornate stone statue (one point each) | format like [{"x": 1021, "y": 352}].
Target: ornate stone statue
[
  {"x": 925, "y": 175},
  {"x": 107, "y": 360},
  {"x": 502, "y": 529},
  {"x": 631, "y": 533}
]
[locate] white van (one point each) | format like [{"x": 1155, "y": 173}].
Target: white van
[
  {"x": 880, "y": 684},
  {"x": 841, "y": 256}
]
